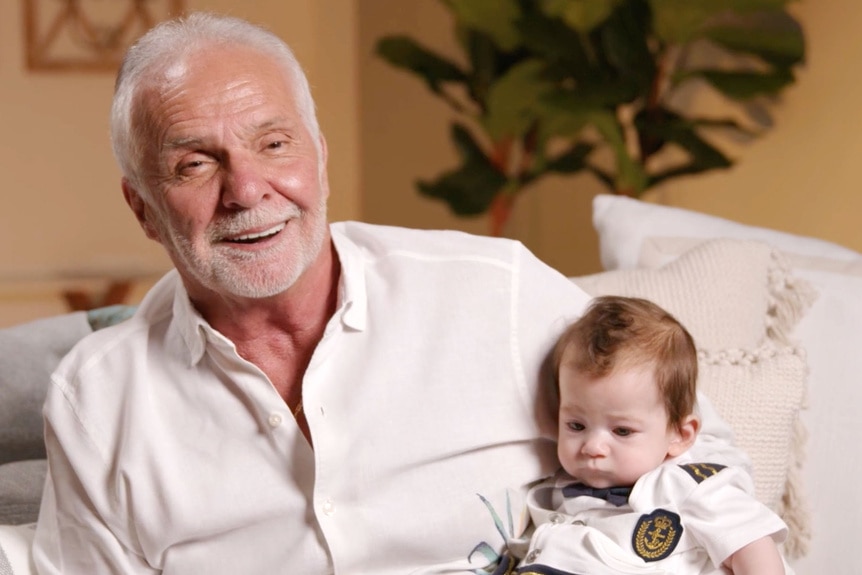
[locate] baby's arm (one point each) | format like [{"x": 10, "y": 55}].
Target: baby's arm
[{"x": 760, "y": 557}]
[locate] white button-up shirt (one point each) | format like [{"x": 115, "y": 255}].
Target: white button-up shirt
[{"x": 169, "y": 453}]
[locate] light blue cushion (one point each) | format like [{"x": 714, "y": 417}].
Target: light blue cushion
[{"x": 29, "y": 353}]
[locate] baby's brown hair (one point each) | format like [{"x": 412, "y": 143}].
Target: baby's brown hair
[{"x": 622, "y": 333}]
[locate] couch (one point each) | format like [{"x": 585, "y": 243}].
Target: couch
[{"x": 778, "y": 323}]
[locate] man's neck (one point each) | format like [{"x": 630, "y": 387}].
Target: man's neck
[{"x": 299, "y": 313}]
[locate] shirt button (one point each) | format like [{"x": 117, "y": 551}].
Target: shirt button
[
  {"x": 532, "y": 555},
  {"x": 328, "y": 508},
  {"x": 274, "y": 420},
  {"x": 556, "y": 518}
]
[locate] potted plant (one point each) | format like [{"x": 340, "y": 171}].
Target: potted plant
[{"x": 562, "y": 86}]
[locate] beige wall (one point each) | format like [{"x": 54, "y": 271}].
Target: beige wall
[
  {"x": 799, "y": 178},
  {"x": 62, "y": 212}
]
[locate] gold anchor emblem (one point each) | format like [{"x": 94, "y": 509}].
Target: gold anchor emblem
[{"x": 656, "y": 535}]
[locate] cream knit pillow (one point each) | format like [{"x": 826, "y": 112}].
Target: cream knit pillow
[{"x": 740, "y": 302}]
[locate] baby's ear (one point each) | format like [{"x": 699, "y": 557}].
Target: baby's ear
[{"x": 685, "y": 435}]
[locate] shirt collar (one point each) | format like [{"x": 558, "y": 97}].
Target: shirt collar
[
  {"x": 352, "y": 294},
  {"x": 193, "y": 329}
]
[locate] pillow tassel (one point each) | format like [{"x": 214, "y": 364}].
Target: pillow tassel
[
  {"x": 794, "y": 509},
  {"x": 790, "y": 299}
]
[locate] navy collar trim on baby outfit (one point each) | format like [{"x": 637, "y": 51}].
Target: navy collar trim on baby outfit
[{"x": 615, "y": 495}]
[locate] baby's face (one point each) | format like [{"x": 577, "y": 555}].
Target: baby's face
[{"x": 613, "y": 429}]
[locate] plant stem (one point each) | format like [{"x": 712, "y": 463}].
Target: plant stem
[{"x": 501, "y": 210}]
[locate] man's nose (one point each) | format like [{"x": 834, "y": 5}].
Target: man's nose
[{"x": 244, "y": 184}]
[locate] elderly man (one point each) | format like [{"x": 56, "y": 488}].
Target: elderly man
[{"x": 295, "y": 397}]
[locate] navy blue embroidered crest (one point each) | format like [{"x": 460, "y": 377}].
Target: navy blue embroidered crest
[
  {"x": 656, "y": 535},
  {"x": 701, "y": 471}
]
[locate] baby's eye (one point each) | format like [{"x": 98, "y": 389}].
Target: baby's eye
[
  {"x": 623, "y": 431},
  {"x": 575, "y": 426}
]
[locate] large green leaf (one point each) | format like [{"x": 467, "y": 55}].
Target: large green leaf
[
  {"x": 496, "y": 18},
  {"x": 567, "y": 161},
  {"x": 565, "y": 113},
  {"x": 656, "y": 126},
  {"x": 746, "y": 85},
  {"x": 702, "y": 155},
  {"x": 681, "y": 21},
  {"x": 741, "y": 6},
  {"x": 581, "y": 15},
  {"x": 469, "y": 189},
  {"x": 403, "y": 52},
  {"x": 512, "y": 100},
  {"x": 625, "y": 44},
  {"x": 487, "y": 62},
  {"x": 562, "y": 47},
  {"x": 774, "y": 37},
  {"x": 571, "y": 161},
  {"x": 484, "y": 62}
]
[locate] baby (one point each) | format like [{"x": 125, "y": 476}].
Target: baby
[{"x": 627, "y": 499}]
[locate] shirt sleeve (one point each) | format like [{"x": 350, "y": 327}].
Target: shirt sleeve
[
  {"x": 721, "y": 515},
  {"x": 72, "y": 538}
]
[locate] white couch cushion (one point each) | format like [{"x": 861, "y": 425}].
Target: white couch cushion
[
  {"x": 623, "y": 224},
  {"x": 15, "y": 549},
  {"x": 30, "y": 353}
]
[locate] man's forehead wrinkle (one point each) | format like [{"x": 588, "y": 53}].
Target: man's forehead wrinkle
[
  {"x": 225, "y": 107},
  {"x": 194, "y": 141},
  {"x": 180, "y": 143},
  {"x": 236, "y": 96}
]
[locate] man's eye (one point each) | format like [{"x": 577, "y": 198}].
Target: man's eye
[
  {"x": 275, "y": 144},
  {"x": 622, "y": 431},
  {"x": 191, "y": 166},
  {"x": 575, "y": 426}
]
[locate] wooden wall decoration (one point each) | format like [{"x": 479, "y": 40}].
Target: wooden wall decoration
[{"x": 88, "y": 35}]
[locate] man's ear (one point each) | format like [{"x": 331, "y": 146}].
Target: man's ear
[
  {"x": 686, "y": 433},
  {"x": 140, "y": 209}
]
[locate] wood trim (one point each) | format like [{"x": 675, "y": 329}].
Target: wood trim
[{"x": 61, "y": 35}]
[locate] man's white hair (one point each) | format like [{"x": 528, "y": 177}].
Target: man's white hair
[{"x": 168, "y": 45}]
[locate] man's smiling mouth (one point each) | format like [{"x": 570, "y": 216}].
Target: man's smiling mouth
[{"x": 256, "y": 237}]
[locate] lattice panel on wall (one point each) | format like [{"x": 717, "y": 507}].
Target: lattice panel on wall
[{"x": 88, "y": 35}]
